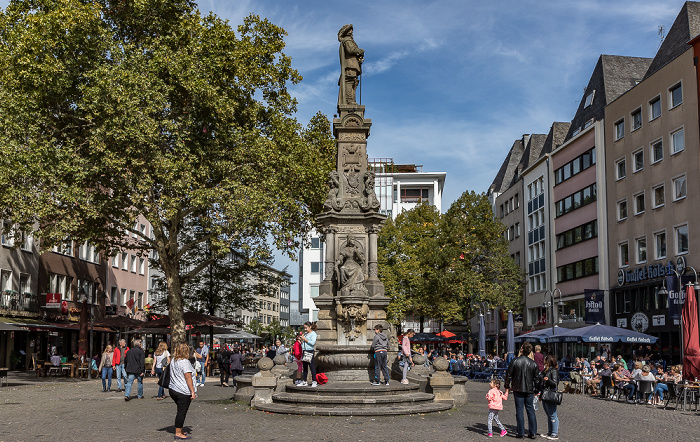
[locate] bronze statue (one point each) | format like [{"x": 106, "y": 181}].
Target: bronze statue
[{"x": 351, "y": 58}]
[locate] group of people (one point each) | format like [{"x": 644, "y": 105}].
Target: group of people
[{"x": 127, "y": 363}]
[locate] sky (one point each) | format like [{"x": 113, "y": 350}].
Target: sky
[{"x": 450, "y": 85}]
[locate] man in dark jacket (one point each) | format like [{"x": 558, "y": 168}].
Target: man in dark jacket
[
  {"x": 135, "y": 367},
  {"x": 520, "y": 378},
  {"x": 379, "y": 346}
]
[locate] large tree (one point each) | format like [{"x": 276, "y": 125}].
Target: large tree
[{"x": 110, "y": 109}]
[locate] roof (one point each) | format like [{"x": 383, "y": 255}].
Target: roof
[
  {"x": 684, "y": 28},
  {"x": 613, "y": 76},
  {"x": 532, "y": 152},
  {"x": 505, "y": 174},
  {"x": 555, "y": 137}
]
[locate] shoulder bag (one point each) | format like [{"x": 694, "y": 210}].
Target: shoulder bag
[
  {"x": 308, "y": 355},
  {"x": 164, "y": 380},
  {"x": 552, "y": 396}
]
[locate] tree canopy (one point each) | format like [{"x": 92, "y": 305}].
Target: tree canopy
[
  {"x": 110, "y": 109},
  {"x": 438, "y": 266}
]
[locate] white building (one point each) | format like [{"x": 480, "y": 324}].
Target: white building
[{"x": 398, "y": 187}]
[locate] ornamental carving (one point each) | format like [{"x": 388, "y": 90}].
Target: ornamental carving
[
  {"x": 333, "y": 202},
  {"x": 369, "y": 201},
  {"x": 353, "y": 317},
  {"x": 354, "y": 179},
  {"x": 373, "y": 270},
  {"x": 352, "y": 136},
  {"x": 351, "y": 157},
  {"x": 352, "y": 121}
]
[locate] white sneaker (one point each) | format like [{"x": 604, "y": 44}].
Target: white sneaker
[
  {"x": 303, "y": 384},
  {"x": 202, "y": 384},
  {"x": 314, "y": 384}
]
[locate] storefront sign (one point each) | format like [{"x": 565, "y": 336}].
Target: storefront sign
[
  {"x": 643, "y": 273},
  {"x": 676, "y": 298},
  {"x": 64, "y": 307},
  {"x": 640, "y": 322},
  {"x": 622, "y": 322},
  {"x": 658, "y": 320},
  {"x": 595, "y": 306},
  {"x": 53, "y": 300}
]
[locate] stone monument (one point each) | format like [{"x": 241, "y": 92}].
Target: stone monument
[{"x": 351, "y": 297}]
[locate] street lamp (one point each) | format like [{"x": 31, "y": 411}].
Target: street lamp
[{"x": 550, "y": 303}]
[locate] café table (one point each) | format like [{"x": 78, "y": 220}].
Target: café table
[{"x": 691, "y": 389}]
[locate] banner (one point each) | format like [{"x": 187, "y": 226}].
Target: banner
[
  {"x": 676, "y": 296},
  {"x": 594, "y": 306}
]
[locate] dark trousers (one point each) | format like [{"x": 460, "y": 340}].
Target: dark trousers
[
  {"x": 311, "y": 364},
  {"x": 183, "y": 404},
  {"x": 224, "y": 373},
  {"x": 235, "y": 373},
  {"x": 524, "y": 400},
  {"x": 380, "y": 364}
]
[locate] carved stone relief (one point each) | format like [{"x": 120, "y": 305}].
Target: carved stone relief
[
  {"x": 353, "y": 318},
  {"x": 352, "y": 136},
  {"x": 333, "y": 202}
]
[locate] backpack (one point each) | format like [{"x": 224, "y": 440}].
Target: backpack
[
  {"x": 321, "y": 378},
  {"x": 223, "y": 357}
]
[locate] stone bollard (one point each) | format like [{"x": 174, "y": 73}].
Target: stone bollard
[
  {"x": 459, "y": 391},
  {"x": 441, "y": 382},
  {"x": 282, "y": 373},
  {"x": 264, "y": 383},
  {"x": 419, "y": 373}
]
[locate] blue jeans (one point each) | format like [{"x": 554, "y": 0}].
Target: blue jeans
[
  {"x": 161, "y": 390},
  {"x": 631, "y": 387},
  {"x": 107, "y": 375},
  {"x": 524, "y": 400},
  {"x": 550, "y": 409},
  {"x": 139, "y": 391},
  {"x": 120, "y": 373},
  {"x": 202, "y": 375},
  {"x": 660, "y": 390}
]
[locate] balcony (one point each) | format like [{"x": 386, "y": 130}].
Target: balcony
[{"x": 19, "y": 302}]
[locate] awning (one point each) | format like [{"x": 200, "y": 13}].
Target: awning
[
  {"x": 25, "y": 322},
  {"x": 7, "y": 327},
  {"x": 120, "y": 322}
]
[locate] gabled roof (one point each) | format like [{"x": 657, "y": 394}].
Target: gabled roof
[
  {"x": 684, "y": 28},
  {"x": 532, "y": 152},
  {"x": 613, "y": 76},
  {"x": 505, "y": 174},
  {"x": 555, "y": 137}
]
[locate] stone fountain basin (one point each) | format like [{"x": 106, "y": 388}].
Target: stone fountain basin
[{"x": 346, "y": 362}]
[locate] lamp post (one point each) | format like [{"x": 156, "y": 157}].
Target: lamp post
[
  {"x": 663, "y": 291},
  {"x": 483, "y": 306},
  {"x": 550, "y": 303}
]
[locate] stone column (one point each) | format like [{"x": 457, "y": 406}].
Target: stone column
[
  {"x": 372, "y": 269},
  {"x": 329, "y": 233}
]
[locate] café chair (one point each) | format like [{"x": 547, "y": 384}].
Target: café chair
[
  {"x": 577, "y": 383},
  {"x": 607, "y": 384},
  {"x": 675, "y": 393},
  {"x": 644, "y": 389}
]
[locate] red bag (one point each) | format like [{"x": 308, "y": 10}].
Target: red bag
[
  {"x": 321, "y": 378},
  {"x": 296, "y": 350}
]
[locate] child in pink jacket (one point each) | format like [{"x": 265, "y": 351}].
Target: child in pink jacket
[{"x": 495, "y": 398}]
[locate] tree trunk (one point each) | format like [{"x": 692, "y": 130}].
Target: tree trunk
[
  {"x": 422, "y": 320},
  {"x": 175, "y": 310}
]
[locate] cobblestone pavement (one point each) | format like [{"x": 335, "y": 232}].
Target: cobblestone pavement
[{"x": 66, "y": 409}]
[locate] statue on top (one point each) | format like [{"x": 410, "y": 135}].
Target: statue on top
[{"x": 351, "y": 58}]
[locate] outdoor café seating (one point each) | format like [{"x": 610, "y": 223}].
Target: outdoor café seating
[
  {"x": 644, "y": 390},
  {"x": 607, "y": 385}
]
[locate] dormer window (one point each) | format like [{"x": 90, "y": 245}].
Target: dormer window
[{"x": 589, "y": 100}]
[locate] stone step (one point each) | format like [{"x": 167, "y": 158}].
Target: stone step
[
  {"x": 378, "y": 410},
  {"x": 355, "y": 389},
  {"x": 307, "y": 400}
]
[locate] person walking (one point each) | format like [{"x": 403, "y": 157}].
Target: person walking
[
  {"x": 308, "y": 351},
  {"x": 550, "y": 378},
  {"x": 495, "y": 398},
  {"x": 118, "y": 359},
  {"x": 223, "y": 359},
  {"x": 236, "y": 363},
  {"x": 520, "y": 377},
  {"x": 162, "y": 359},
  {"x": 202, "y": 356},
  {"x": 106, "y": 368},
  {"x": 379, "y": 345},
  {"x": 135, "y": 366},
  {"x": 182, "y": 388},
  {"x": 406, "y": 356}
]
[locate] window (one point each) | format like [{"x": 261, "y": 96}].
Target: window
[
  {"x": 577, "y": 235},
  {"x": 315, "y": 243},
  {"x": 140, "y": 300},
  {"x": 655, "y": 108},
  {"x": 621, "y": 169},
  {"x": 142, "y": 266},
  {"x": 125, "y": 261},
  {"x": 682, "y": 239},
  {"x": 622, "y": 210},
  {"x": 658, "y": 198},
  {"x": 517, "y": 201},
  {"x": 641, "y": 250},
  {"x": 316, "y": 267},
  {"x": 115, "y": 261},
  {"x": 660, "y": 245},
  {"x": 578, "y": 199},
  {"x": 123, "y": 297},
  {"x": 27, "y": 241},
  {"x": 501, "y": 209},
  {"x": 677, "y": 141},
  {"x": 589, "y": 100},
  {"x": 5, "y": 280},
  {"x": 637, "y": 119},
  {"x": 578, "y": 269},
  {"x": 575, "y": 166},
  {"x": 133, "y": 264},
  {"x": 517, "y": 230},
  {"x": 114, "y": 296},
  {"x": 623, "y": 251},
  {"x": 657, "y": 151},
  {"x": 639, "y": 207},
  {"x": 60, "y": 284},
  {"x": 313, "y": 290},
  {"x": 24, "y": 286},
  {"x": 87, "y": 252},
  {"x": 638, "y": 160},
  {"x": 675, "y": 94},
  {"x": 132, "y": 295},
  {"x": 679, "y": 188},
  {"x": 620, "y": 129}
]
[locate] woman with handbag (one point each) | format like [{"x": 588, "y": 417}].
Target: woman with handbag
[
  {"x": 308, "y": 353},
  {"x": 550, "y": 397},
  {"x": 181, "y": 388},
  {"x": 162, "y": 359},
  {"x": 106, "y": 368}
]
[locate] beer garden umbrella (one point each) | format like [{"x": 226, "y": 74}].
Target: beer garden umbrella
[
  {"x": 510, "y": 338},
  {"x": 602, "y": 334},
  {"x": 540, "y": 335},
  {"x": 482, "y": 337},
  {"x": 691, "y": 347}
]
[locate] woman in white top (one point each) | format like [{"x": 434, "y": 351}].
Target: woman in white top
[
  {"x": 162, "y": 359},
  {"x": 182, "y": 389}
]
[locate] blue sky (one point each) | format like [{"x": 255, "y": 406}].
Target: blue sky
[{"x": 450, "y": 84}]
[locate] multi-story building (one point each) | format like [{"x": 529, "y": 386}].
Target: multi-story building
[
  {"x": 398, "y": 187},
  {"x": 578, "y": 188},
  {"x": 268, "y": 305},
  {"x": 285, "y": 299},
  {"x": 652, "y": 156}
]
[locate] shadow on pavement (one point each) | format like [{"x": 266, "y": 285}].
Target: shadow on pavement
[{"x": 171, "y": 429}]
